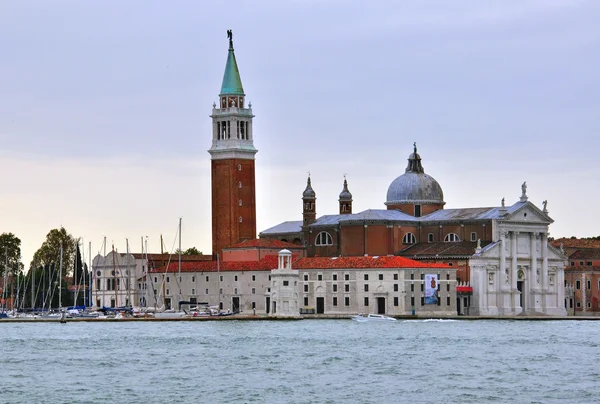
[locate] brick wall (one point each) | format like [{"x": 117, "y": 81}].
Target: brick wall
[{"x": 227, "y": 175}]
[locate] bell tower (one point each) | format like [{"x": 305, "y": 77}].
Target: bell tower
[
  {"x": 309, "y": 205},
  {"x": 345, "y": 200},
  {"x": 232, "y": 162}
]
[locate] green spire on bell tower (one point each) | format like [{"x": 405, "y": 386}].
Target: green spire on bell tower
[{"x": 232, "y": 83}]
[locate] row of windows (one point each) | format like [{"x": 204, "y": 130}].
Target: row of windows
[
  {"x": 325, "y": 239},
  {"x": 589, "y": 284},
  {"x": 578, "y": 304},
  {"x": 112, "y": 273},
  {"x": 410, "y": 238},
  {"x": 235, "y": 278},
  {"x": 206, "y": 291},
  {"x": 112, "y": 284},
  {"x": 334, "y": 277},
  {"x": 334, "y": 301},
  {"x": 587, "y": 263}
]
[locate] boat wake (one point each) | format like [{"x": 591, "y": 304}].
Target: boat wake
[{"x": 432, "y": 320}]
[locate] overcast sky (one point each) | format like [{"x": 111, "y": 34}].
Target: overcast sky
[{"x": 104, "y": 109}]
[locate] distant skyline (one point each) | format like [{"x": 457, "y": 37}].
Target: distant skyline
[{"x": 104, "y": 109}]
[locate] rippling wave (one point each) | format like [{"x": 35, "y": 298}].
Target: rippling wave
[{"x": 324, "y": 361}]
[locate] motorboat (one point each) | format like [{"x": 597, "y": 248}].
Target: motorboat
[{"x": 363, "y": 318}]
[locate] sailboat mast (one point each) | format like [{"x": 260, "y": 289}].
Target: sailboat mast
[
  {"x": 32, "y": 283},
  {"x": 128, "y": 273},
  {"x": 90, "y": 274},
  {"x": 60, "y": 279},
  {"x": 147, "y": 271},
  {"x": 75, "y": 275},
  {"x": 179, "y": 265},
  {"x": 219, "y": 283},
  {"x": 115, "y": 277},
  {"x": 5, "y": 277}
]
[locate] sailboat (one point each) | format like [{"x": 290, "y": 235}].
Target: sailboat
[{"x": 173, "y": 313}]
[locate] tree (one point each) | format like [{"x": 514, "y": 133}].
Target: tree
[
  {"x": 45, "y": 268},
  {"x": 189, "y": 251},
  {"x": 49, "y": 252},
  {"x": 192, "y": 251},
  {"x": 10, "y": 246}
]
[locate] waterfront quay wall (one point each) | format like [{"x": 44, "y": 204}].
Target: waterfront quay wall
[{"x": 305, "y": 317}]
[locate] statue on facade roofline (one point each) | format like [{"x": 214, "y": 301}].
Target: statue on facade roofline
[
  {"x": 545, "y": 204},
  {"x": 524, "y": 188},
  {"x": 503, "y": 203}
]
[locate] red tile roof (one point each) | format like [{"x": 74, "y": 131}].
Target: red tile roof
[
  {"x": 165, "y": 257},
  {"x": 576, "y": 243},
  {"x": 586, "y": 254},
  {"x": 265, "y": 243},
  {"x": 361, "y": 262},
  {"x": 267, "y": 263}
]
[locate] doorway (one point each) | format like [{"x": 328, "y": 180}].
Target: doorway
[
  {"x": 520, "y": 289},
  {"x": 458, "y": 306},
  {"x": 235, "y": 304},
  {"x": 320, "y": 305},
  {"x": 381, "y": 305},
  {"x": 268, "y": 305}
]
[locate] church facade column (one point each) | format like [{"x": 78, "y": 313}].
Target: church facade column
[
  {"x": 514, "y": 301},
  {"x": 502, "y": 274},
  {"x": 513, "y": 266},
  {"x": 544, "y": 271},
  {"x": 546, "y": 290},
  {"x": 534, "y": 268}
]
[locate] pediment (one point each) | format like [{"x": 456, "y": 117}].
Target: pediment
[
  {"x": 528, "y": 213},
  {"x": 555, "y": 253}
]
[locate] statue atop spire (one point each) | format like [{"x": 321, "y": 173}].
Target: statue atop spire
[
  {"x": 232, "y": 83},
  {"x": 230, "y": 37},
  {"x": 415, "y": 146}
]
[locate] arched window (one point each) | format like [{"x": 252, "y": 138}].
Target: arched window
[
  {"x": 451, "y": 237},
  {"x": 324, "y": 238},
  {"x": 409, "y": 238}
]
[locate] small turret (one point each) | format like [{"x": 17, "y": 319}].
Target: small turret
[
  {"x": 345, "y": 200},
  {"x": 309, "y": 203}
]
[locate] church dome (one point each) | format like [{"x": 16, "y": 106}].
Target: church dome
[{"x": 414, "y": 186}]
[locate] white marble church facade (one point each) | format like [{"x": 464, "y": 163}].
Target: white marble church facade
[{"x": 519, "y": 272}]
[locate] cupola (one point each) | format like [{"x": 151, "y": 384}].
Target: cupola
[{"x": 415, "y": 192}]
